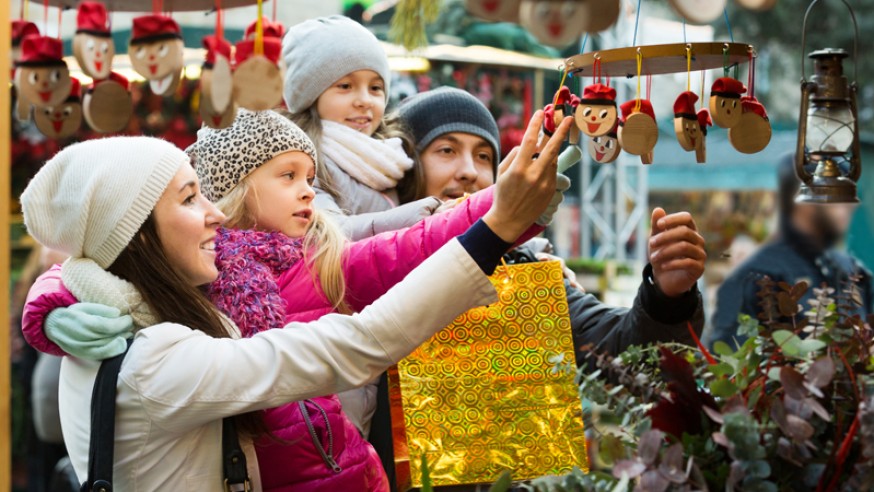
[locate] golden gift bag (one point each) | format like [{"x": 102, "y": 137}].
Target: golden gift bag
[{"x": 484, "y": 394}]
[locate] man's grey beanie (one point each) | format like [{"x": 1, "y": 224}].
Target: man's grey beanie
[
  {"x": 437, "y": 112},
  {"x": 318, "y": 52}
]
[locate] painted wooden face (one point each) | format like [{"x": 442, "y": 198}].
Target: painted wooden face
[
  {"x": 94, "y": 54},
  {"x": 554, "y": 23},
  {"x": 604, "y": 149},
  {"x": 752, "y": 134},
  {"x": 59, "y": 121},
  {"x": 159, "y": 60},
  {"x": 258, "y": 84},
  {"x": 107, "y": 107},
  {"x": 688, "y": 133},
  {"x": 216, "y": 84},
  {"x": 494, "y": 10},
  {"x": 595, "y": 119},
  {"x": 212, "y": 116},
  {"x": 725, "y": 111},
  {"x": 639, "y": 134},
  {"x": 43, "y": 85}
]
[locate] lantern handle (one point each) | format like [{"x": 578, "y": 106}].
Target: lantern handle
[{"x": 855, "y": 39}]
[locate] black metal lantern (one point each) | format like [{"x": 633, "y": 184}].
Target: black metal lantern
[{"x": 828, "y": 127}]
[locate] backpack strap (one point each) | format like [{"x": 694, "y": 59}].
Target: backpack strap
[{"x": 233, "y": 458}]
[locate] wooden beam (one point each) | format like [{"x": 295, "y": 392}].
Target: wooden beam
[{"x": 5, "y": 192}]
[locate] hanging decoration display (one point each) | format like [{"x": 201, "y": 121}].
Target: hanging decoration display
[
  {"x": 41, "y": 76},
  {"x": 638, "y": 132},
  {"x": 155, "y": 50},
  {"x": 92, "y": 45},
  {"x": 20, "y": 29},
  {"x": 605, "y": 148},
  {"x": 107, "y": 104},
  {"x": 217, "y": 107},
  {"x": 494, "y": 10},
  {"x": 725, "y": 97},
  {"x": 560, "y": 23},
  {"x": 562, "y": 106},
  {"x": 596, "y": 114},
  {"x": 704, "y": 121},
  {"x": 63, "y": 120},
  {"x": 257, "y": 80},
  {"x": 753, "y": 132},
  {"x": 686, "y": 121}
]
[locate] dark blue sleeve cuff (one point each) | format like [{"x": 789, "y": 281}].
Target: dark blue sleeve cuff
[
  {"x": 664, "y": 309},
  {"x": 484, "y": 246}
]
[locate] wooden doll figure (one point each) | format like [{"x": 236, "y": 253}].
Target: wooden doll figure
[
  {"x": 701, "y": 147},
  {"x": 555, "y": 23},
  {"x": 258, "y": 78},
  {"x": 269, "y": 28},
  {"x": 217, "y": 108},
  {"x": 638, "y": 131},
  {"x": 62, "y": 120},
  {"x": 564, "y": 106},
  {"x": 725, "y": 101},
  {"x": 686, "y": 121},
  {"x": 605, "y": 148},
  {"x": 41, "y": 75},
  {"x": 92, "y": 45},
  {"x": 155, "y": 50},
  {"x": 494, "y": 10},
  {"x": 596, "y": 114},
  {"x": 21, "y": 29},
  {"x": 107, "y": 104},
  {"x": 753, "y": 133}
]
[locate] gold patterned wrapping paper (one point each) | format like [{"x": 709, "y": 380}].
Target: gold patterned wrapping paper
[{"x": 482, "y": 396}]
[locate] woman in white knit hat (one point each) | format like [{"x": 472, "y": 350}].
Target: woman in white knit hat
[{"x": 141, "y": 240}]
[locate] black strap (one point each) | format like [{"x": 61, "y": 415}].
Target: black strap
[
  {"x": 236, "y": 474},
  {"x": 102, "y": 444}
]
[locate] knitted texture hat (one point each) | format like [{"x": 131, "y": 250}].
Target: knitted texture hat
[
  {"x": 318, "y": 52},
  {"x": 222, "y": 158},
  {"x": 92, "y": 197},
  {"x": 437, "y": 112}
]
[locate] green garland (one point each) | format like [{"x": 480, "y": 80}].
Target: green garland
[{"x": 409, "y": 21}]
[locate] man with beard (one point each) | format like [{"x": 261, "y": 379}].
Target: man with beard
[{"x": 804, "y": 249}]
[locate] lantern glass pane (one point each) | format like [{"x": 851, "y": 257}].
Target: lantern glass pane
[{"x": 829, "y": 128}]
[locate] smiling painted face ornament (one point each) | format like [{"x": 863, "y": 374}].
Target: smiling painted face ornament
[
  {"x": 494, "y": 10},
  {"x": 155, "y": 51},
  {"x": 686, "y": 121},
  {"x": 41, "y": 75},
  {"x": 596, "y": 114},
  {"x": 605, "y": 148},
  {"x": 638, "y": 132},
  {"x": 92, "y": 45},
  {"x": 63, "y": 120},
  {"x": 555, "y": 23},
  {"x": 725, "y": 106}
]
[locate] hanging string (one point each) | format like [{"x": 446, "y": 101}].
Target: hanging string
[
  {"x": 701, "y": 99},
  {"x": 684, "y": 30},
  {"x": 636, "y": 22},
  {"x": 725, "y": 61},
  {"x": 274, "y": 9},
  {"x": 259, "y": 30},
  {"x": 648, "y": 86},
  {"x": 728, "y": 25},
  {"x": 688, "y": 68},
  {"x": 639, "y": 68},
  {"x": 751, "y": 83},
  {"x": 583, "y": 46},
  {"x": 219, "y": 21},
  {"x": 560, "y": 85},
  {"x": 596, "y": 69},
  {"x": 23, "y": 12},
  {"x": 60, "y": 10},
  {"x": 45, "y": 16}
]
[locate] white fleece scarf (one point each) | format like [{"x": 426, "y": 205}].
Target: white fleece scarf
[
  {"x": 379, "y": 164},
  {"x": 90, "y": 283}
]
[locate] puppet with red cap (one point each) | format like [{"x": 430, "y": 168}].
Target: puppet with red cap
[
  {"x": 605, "y": 148},
  {"x": 63, "y": 120},
  {"x": 596, "y": 115},
  {"x": 217, "y": 108},
  {"x": 92, "y": 45},
  {"x": 494, "y": 10},
  {"x": 107, "y": 104},
  {"x": 725, "y": 101},
  {"x": 753, "y": 133},
  {"x": 686, "y": 121},
  {"x": 155, "y": 50},
  {"x": 554, "y": 23},
  {"x": 703, "y": 122},
  {"x": 41, "y": 75},
  {"x": 258, "y": 77},
  {"x": 271, "y": 29},
  {"x": 20, "y": 29},
  {"x": 638, "y": 131},
  {"x": 564, "y": 105}
]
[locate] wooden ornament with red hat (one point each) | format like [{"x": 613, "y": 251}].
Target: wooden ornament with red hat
[
  {"x": 725, "y": 94},
  {"x": 753, "y": 133},
  {"x": 555, "y": 23},
  {"x": 494, "y": 10},
  {"x": 155, "y": 50},
  {"x": 638, "y": 132},
  {"x": 554, "y": 113},
  {"x": 217, "y": 107},
  {"x": 686, "y": 121},
  {"x": 20, "y": 29},
  {"x": 258, "y": 72},
  {"x": 596, "y": 114},
  {"x": 107, "y": 104},
  {"x": 605, "y": 148},
  {"x": 92, "y": 44},
  {"x": 41, "y": 75},
  {"x": 704, "y": 121},
  {"x": 272, "y": 29},
  {"x": 63, "y": 120}
]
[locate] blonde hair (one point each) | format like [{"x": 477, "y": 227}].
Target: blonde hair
[
  {"x": 409, "y": 187},
  {"x": 323, "y": 243}
]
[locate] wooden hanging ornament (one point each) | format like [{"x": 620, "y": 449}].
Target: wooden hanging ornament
[
  {"x": 494, "y": 10},
  {"x": 596, "y": 114},
  {"x": 257, "y": 81},
  {"x": 217, "y": 108},
  {"x": 704, "y": 121},
  {"x": 21, "y": 29},
  {"x": 107, "y": 104},
  {"x": 554, "y": 23},
  {"x": 725, "y": 101},
  {"x": 41, "y": 75},
  {"x": 553, "y": 114},
  {"x": 63, "y": 120},
  {"x": 155, "y": 50},
  {"x": 271, "y": 29},
  {"x": 753, "y": 133},
  {"x": 638, "y": 131},
  {"x": 605, "y": 148},
  {"x": 698, "y": 11},
  {"x": 686, "y": 121},
  {"x": 601, "y": 14},
  {"x": 92, "y": 45}
]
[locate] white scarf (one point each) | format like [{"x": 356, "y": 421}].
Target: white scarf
[
  {"x": 90, "y": 283},
  {"x": 379, "y": 164}
]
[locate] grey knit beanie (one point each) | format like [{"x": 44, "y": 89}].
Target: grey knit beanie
[
  {"x": 222, "y": 158},
  {"x": 318, "y": 52},
  {"x": 92, "y": 197},
  {"x": 437, "y": 112}
]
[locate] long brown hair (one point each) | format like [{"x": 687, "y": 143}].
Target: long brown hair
[{"x": 172, "y": 299}]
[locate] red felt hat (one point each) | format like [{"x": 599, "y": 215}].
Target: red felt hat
[
  {"x": 115, "y": 77},
  {"x": 599, "y": 92},
  {"x": 153, "y": 27},
  {"x": 215, "y": 45},
  {"x": 75, "y": 90},
  {"x": 246, "y": 47},
  {"x": 575, "y": 100},
  {"x": 684, "y": 106},
  {"x": 727, "y": 87},
  {"x": 271, "y": 29},
  {"x": 91, "y": 18},
  {"x": 549, "y": 119},
  {"x": 752, "y": 105},
  {"x": 564, "y": 95},
  {"x": 704, "y": 120},
  {"x": 39, "y": 51},
  {"x": 627, "y": 108},
  {"x": 22, "y": 28}
]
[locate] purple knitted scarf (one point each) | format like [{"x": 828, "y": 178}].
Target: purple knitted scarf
[{"x": 249, "y": 264}]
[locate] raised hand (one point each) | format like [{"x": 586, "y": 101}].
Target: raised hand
[{"x": 676, "y": 252}]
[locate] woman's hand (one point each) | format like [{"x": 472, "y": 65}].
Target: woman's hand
[{"x": 526, "y": 184}]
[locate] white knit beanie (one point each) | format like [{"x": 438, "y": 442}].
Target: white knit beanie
[
  {"x": 318, "y": 52},
  {"x": 92, "y": 197}
]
